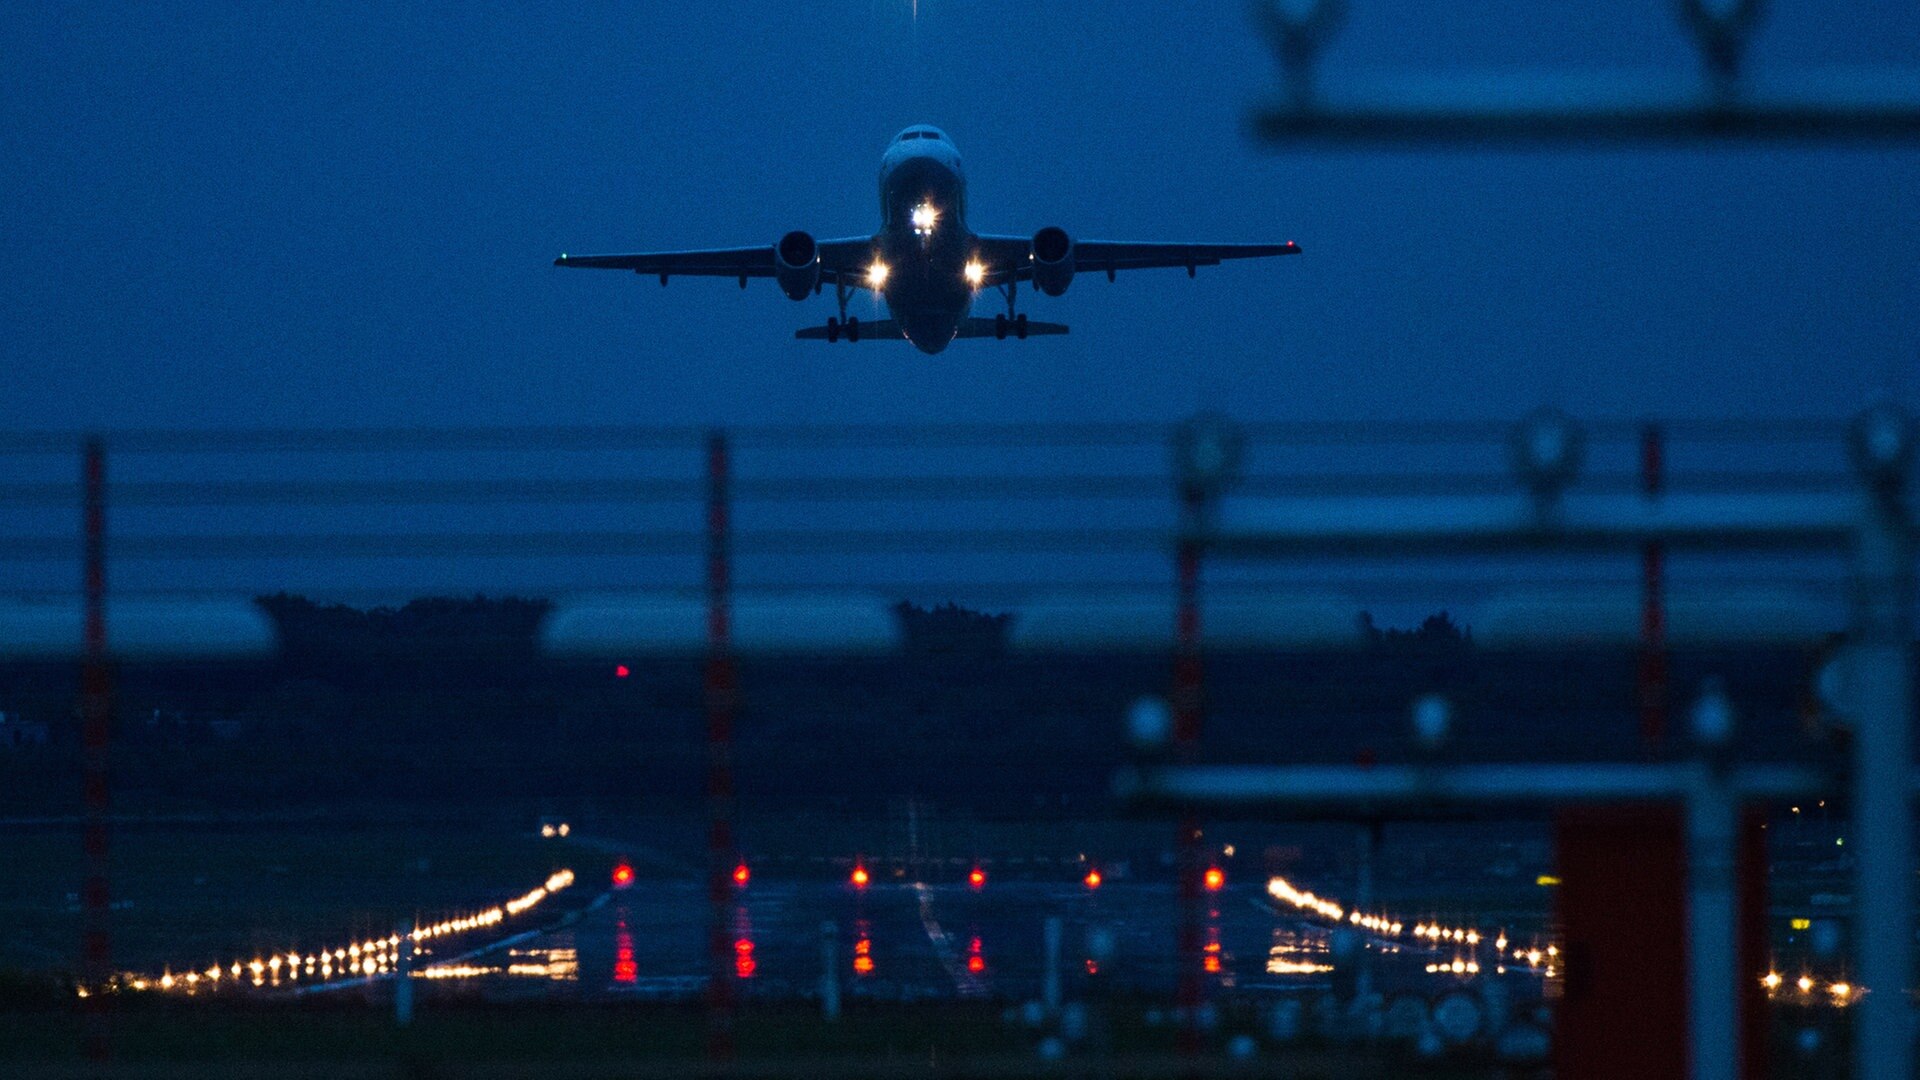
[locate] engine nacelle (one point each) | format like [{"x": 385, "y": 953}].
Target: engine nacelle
[
  {"x": 1052, "y": 260},
  {"x": 796, "y": 264}
]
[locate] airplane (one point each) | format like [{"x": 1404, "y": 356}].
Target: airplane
[{"x": 924, "y": 262}]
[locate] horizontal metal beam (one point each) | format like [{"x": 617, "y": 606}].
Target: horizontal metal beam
[
  {"x": 139, "y": 630},
  {"x": 1834, "y": 106},
  {"x": 1570, "y": 523},
  {"x": 824, "y": 623},
  {"x": 1350, "y": 791}
]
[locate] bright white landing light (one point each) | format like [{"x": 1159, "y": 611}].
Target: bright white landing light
[
  {"x": 923, "y": 218},
  {"x": 877, "y": 274},
  {"x": 975, "y": 273}
]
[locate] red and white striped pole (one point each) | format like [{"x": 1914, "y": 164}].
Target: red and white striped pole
[
  {"x": 1187, "y": 690},
  {"x": 96, "y": 717},
  {"x": 720, "y": 694},
  {"x": 1653, "y": 600}
]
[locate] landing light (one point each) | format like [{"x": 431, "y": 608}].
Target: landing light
[
  {"x": 877, "y": 274},
  {"x": 923, "y": 218},
  {"x": 975, "y": 273}
]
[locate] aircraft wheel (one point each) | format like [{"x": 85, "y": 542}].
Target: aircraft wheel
[
  {"x": 853, "y": 328},
  {"x": 833, "y": 328},
  {"x": 1020, "y": 327},
  {"x": 1000, "y": 328}
]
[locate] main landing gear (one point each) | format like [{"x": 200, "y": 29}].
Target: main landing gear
[
  {"x": 1017, "y": 324},
  {"x": 850, "y": 326}
]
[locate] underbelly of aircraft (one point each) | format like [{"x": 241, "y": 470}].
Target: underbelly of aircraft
[{"x": 928, "y": 298}]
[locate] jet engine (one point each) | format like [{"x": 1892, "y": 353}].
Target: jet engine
[
  {"x": 1052, "y": 260},
  {"x": 796, "y": 264}
]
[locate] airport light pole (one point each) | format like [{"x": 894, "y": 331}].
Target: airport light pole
[{"x": 1874, "y": 524}]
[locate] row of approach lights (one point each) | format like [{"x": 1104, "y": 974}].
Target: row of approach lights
[
  {"x": 1214, "y": 879},
  {"x": 1535, "y": 958},
  {"x": 359, "y": 959}
]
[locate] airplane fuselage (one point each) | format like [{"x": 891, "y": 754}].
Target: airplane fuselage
[{"x": 923, "y": 241}]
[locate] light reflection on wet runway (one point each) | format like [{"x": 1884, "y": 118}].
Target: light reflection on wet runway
[{"x": 907, "y": 942}]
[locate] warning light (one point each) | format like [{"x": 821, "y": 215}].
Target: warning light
[
  {"x": 977, "y": 878},
  {"x": 740, "y": 874},
  {"x": 863, "y": 957},
  {"x": 860, "y": 877},
  {"x": 976, "y": 965},
  {"x": 621, "y": 671},
  {"x": 1093, "y": 879},
  {"x": 1215, "y": 879},
  {"x": 622, "y": 876}
]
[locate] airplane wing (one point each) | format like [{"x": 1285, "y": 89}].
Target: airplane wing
[
  {"x": 844, "y": 261},
  {"x": 1007, "y": 256}
]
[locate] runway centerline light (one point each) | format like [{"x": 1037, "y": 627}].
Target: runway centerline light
[
  {"x": 741, "y": 874},
  {"x": 622, "y": 876},
  {"x": 1216, "y": 879},
  {"x": 860, "y": 878},
  {"x": 977, "y": 877},
  {"x": 1093, "y": 879}
]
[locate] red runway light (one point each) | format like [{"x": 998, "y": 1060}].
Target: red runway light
[
  {"x": 621, "y": 671},
  {"x": 976, "y": 965},
  {"x": 1216, "y": 879},
  {"x": 1093, "y": 879},
  {"x": 977, "y": 878},
  {"x": 860, "y": 877},
  {"x": 622, "y": 876},
  {"x": 740, "y": 874}
]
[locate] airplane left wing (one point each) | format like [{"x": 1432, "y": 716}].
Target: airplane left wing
[
  {"x": 1008, "y": 257},
  {"x": 842, "y": 260}
]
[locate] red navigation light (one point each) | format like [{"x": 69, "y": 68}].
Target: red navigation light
[
  {"x": 1216, "y": 879},
  {"x": 622, "y": 876},
  {"x": 621, "y": 671},
  {"x": 860, "y": 877},
  {"x": 977, "y": 878},
  {"x": 1093, "y": 879},
  {"x": 740, "y": 874}
]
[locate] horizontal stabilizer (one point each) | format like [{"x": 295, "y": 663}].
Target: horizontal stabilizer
[
  {"x": 978, "y": 327},
  {"x": 889, "y": 330}
]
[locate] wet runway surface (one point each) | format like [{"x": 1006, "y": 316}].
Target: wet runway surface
[{"x": 905, "y": 942}]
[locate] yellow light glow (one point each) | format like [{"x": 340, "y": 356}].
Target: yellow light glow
[
  {"x": 1840, "y": 990},
  {"x": 1801, "y": 924},
  {"x": 1805, "y": 984},
  {"x": 1546, "y": 881},
  {"x": 1772, "y": 980},
  {"x": 975, "y": 273}
]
